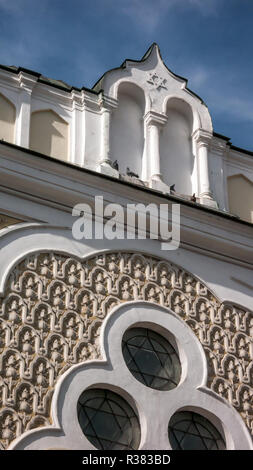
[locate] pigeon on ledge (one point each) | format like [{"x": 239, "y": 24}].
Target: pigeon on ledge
[
  {"x": 115, "y": 165},
  {"x": 131, "y": 173}
]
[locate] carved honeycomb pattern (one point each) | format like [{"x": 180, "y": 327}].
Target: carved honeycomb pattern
[{"x": 51, "y": 316}]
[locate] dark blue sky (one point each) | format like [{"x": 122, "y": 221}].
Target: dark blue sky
[{"x": 207, "y": 41}]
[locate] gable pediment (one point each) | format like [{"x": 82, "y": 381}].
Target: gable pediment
[{"x": 158, "y": 83}]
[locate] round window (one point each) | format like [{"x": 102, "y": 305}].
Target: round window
[
  {"x": 107, "y": 420},
  {"x": 191, "y": 431},
  {"x": 151, "y": 358}
]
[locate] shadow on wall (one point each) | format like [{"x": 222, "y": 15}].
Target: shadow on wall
[
  {"x": 240, "y": 197},
  {"x": 127, "y": 133},
  {"x": 176, "y": 156},
  {"x": 7, "y": 119},
  {"x": 49, "y": 134},
  {"x": 127, "y": 138}
]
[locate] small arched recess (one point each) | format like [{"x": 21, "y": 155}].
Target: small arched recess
[
  {"x": 242, "y": 205},
  {"x": 176, "y": 154},
  {"x": 49, "y": 134},
  {"x": 127, "y": 137},
  {"x": 7, "y": 119}
]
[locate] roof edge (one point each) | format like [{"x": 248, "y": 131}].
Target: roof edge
[{"x": 154, "y": 192}]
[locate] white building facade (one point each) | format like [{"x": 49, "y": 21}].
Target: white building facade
[{"x": 71, "y": 310}]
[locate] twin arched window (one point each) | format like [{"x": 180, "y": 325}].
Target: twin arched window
[{"x": 129, "y": 138}]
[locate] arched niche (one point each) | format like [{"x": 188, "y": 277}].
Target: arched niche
[
  {"x": 240, "y": 197},
  {"x": 127, "y": 137},
  {"x": 49, "y": 134},
  {"x": 176, "y": 155},
  {"x": 7, "y": 119}
]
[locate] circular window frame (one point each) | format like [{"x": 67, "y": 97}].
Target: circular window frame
[
  {"x": 212, "y": 418},
  {"x": 134, "y": 404},
  {"x": 167, "y": 336},
  {"x": 172, "y": 338},
  {"x": 124, "y": 396}
]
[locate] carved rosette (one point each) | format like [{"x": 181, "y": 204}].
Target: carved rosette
[{"x": 51, "y": 316}]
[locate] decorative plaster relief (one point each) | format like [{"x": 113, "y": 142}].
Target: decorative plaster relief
[
  {"x": 153, "y": 409},
  {"x": 53, "y": 309},
  {"x": 156, "y": 81}
]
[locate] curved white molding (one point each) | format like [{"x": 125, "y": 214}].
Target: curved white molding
[
  {"x": 20, "y": 240},
  {"x": 135, "y": 82},
  {"x": 155, "y": 79},
  {"x": 222, "y": 329},
  {"x": 8, "y": 95},
  {"x": 153, "y": 407},
  {"x": 196, "y": 119}
]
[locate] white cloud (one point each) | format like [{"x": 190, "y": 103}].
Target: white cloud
[
  {"x": 198, "y": 77},
  {"x": 206, "y": 7},
  {"x": 146, "y": 13},
  {"x": 149, "y": 13},
  {"x": 221, "y": 97},
  {"x": 236, "y": 108}
]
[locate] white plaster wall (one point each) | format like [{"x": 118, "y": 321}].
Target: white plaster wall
[
  {"x": 217, "y": 177},
  {"x": 159, "y": 86},
  {"x": 240, "y": 164},
  {"x": 141, "y": 74},
  {"x": 77, "y": 135},
  {"x": 240, "y": 196},
  {"x": 49, "y": 134},
  {"x": 92, "y": 139},
  {"x": 44, "y": 103},
  {"x": 7, "y": 119},
  {"x": 9, "y": 92},
  {"x": 224, "y": 163},
  {"x": 177, "y": 159},
  {"x": 127, "y": 132}
]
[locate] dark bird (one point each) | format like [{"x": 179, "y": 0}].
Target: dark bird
[
  {"x": 115, "y": 165},
  {"x": 131, "y": 173},
  {"x": 193, "y": 198},
  {"x": 172, "y": 188}
]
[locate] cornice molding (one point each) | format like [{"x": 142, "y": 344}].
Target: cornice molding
[
  {"x": 107, "y": 102},
  {"x": 218, "y": 146},
  {"x": 155, "y": 118},
  {"x": 47, "y": 183},
  {"x": 27, "y": 82},
  {"x": 202, "y": 137}
]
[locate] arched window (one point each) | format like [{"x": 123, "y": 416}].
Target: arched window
[
  {"x": 176, "y": 157},
  {"x": 7, "y": 119},
  {"x": 127, "y": 138},
  {"x": 49, "y": 134}
]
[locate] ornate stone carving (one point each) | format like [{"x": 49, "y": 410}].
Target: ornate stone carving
[{"x": 53, "y": 309}]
